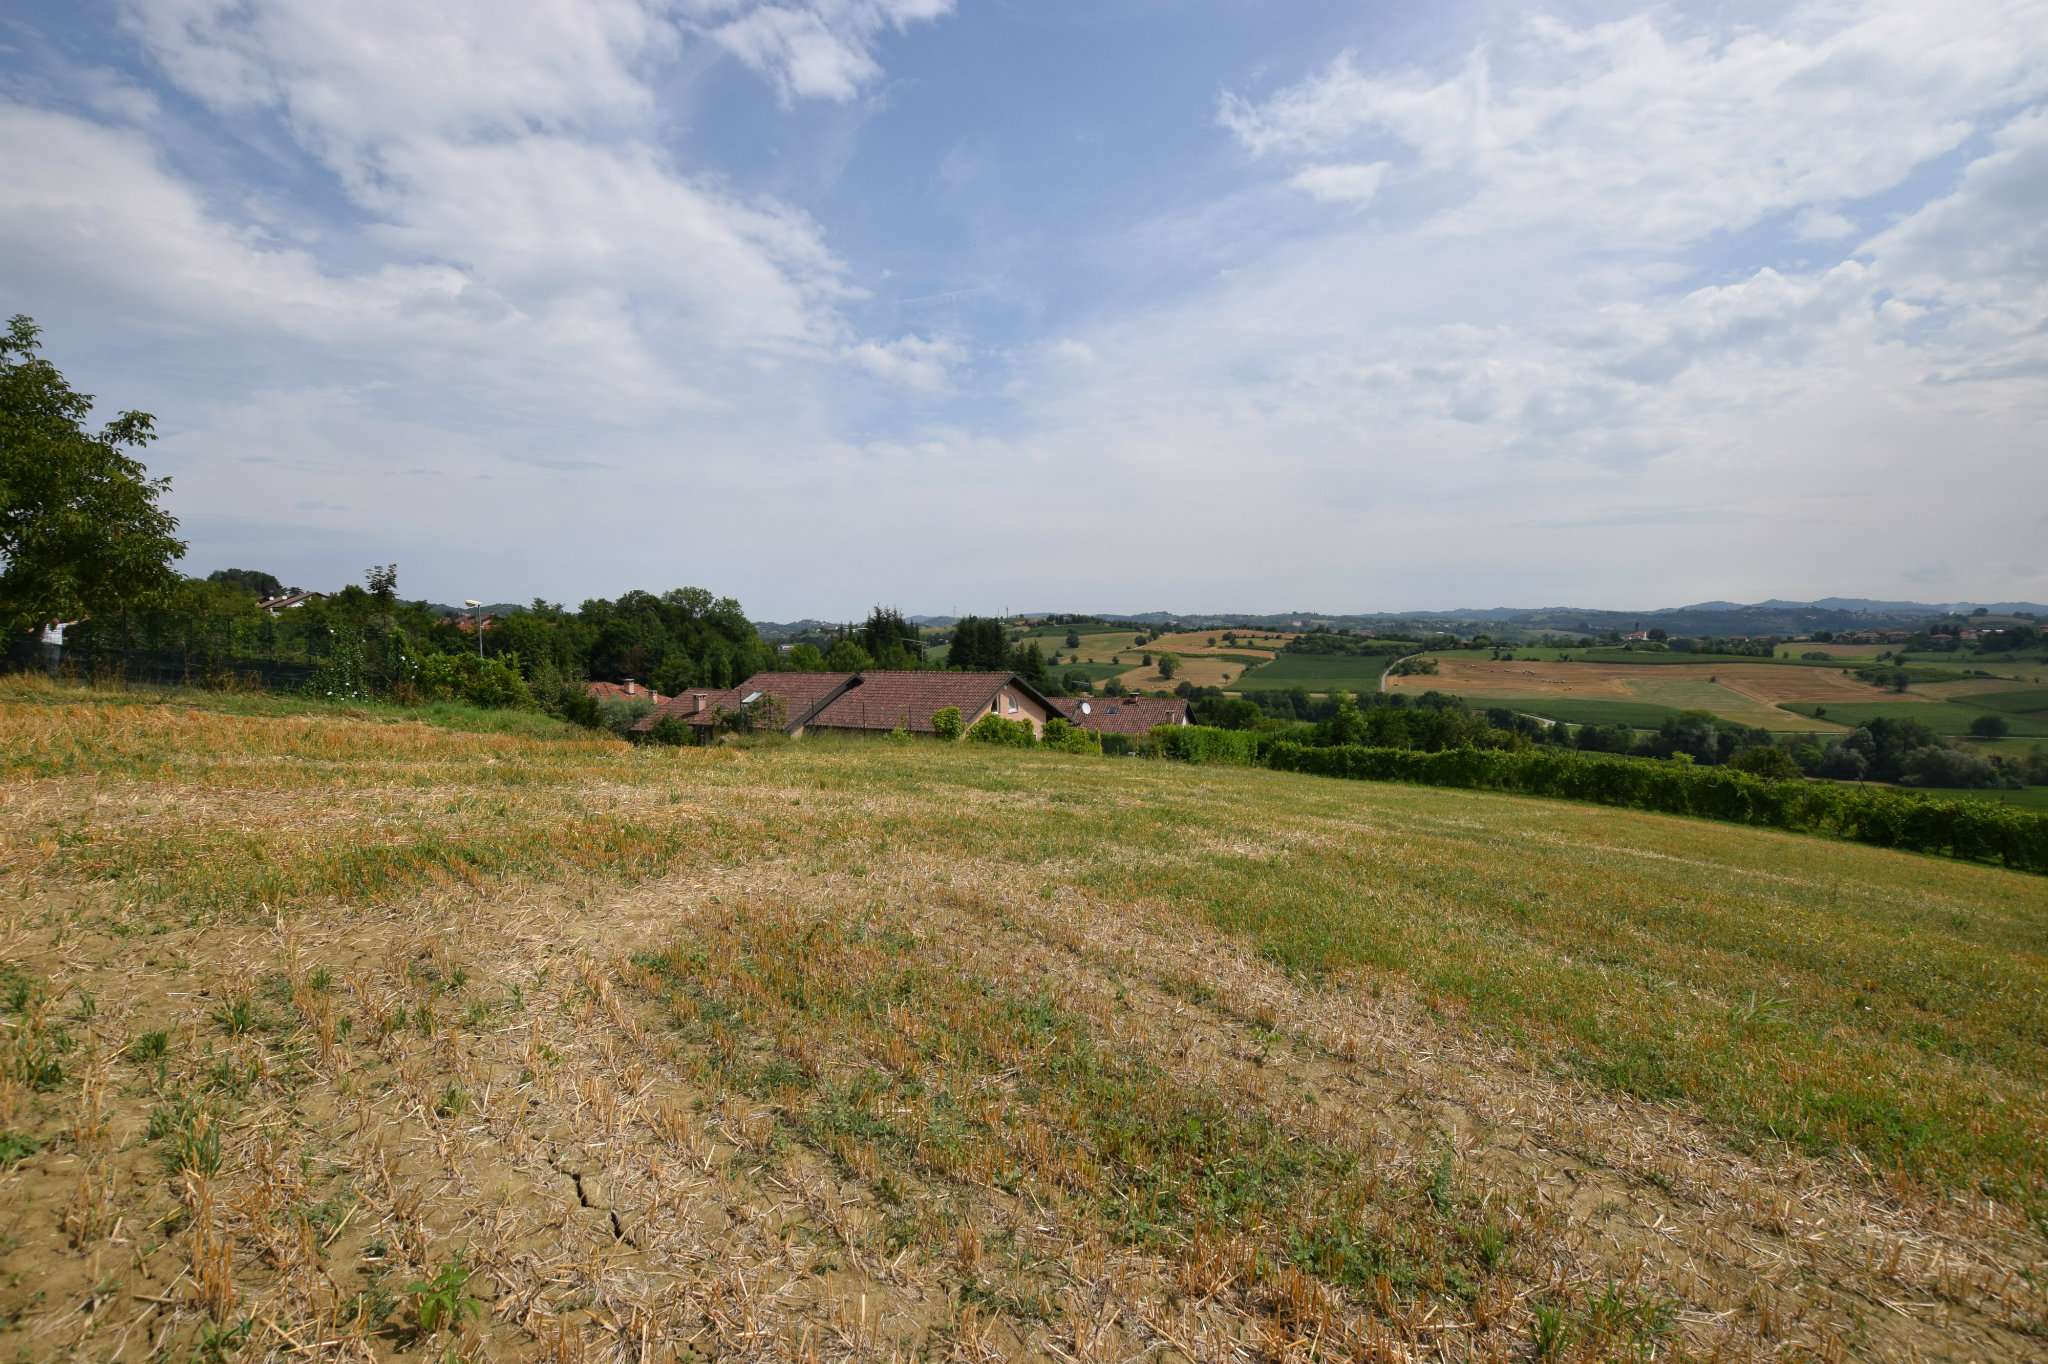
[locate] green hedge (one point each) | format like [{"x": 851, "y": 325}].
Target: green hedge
[
  {"x": 1070, "y": 738},
  {"x": 1204, "y": 744},
  {"x": 1978, "y": 830},
  {"x": 994, "y": 729}
]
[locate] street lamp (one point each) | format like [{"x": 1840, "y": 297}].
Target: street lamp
[{"x": 476, "y": 621}]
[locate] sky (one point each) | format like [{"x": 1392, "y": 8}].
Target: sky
[{"x": 1091, "y": 305}]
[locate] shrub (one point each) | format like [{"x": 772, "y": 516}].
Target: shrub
[
  {"x": 947, "y": 724},
  {"x": 1989, "y": 727},
  {"x": 1764, "y": 761},
  {"x": 1981, "y": 830},
  {"x": 619, "y": 716},
  {"x": 994, "y": 729},
  {"x": 1070, "y": 738},
  {"x": 487, "y": 682},
  {"x": 672, "y": 730},
  {"x": 1206, "y": 744}
]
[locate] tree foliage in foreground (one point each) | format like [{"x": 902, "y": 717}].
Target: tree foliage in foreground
[{"x": 81, "y": 531}]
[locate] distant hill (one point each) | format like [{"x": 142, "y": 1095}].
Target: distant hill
[{"x": 1773, "y": 617}]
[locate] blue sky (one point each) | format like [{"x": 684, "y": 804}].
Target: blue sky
[{"x": 1123, "y": 305}]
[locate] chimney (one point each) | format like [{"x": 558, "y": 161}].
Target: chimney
[
  {"x": 696, "y": 703},
  {"x": 631, "y": 690}
]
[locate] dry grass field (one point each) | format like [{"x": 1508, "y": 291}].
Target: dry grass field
[
  {"x": 324, "y": 1037},
  {"x": 1200, "y": 671},
  {"x": 1750, "y": 693},
  {"x": 1194, "y": 642}
]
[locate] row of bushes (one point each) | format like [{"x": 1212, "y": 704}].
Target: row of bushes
[
  {"x": 1207, "y": 744},
  {"x": 1977, "y": 830}
]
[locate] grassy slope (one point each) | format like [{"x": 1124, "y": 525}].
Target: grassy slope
[
  {"x": 1952, "y": 717},
  {"x": 1582, "y": 710},
  {"x": 845, "y": 910},
  {"x": 1315, "y": 673}
]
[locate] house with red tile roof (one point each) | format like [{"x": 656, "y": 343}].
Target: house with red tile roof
[
  {"x": 882, "y": 701},
  {"x": 1123, "y": 714},
  {"x": 703, "y": 709},
  {"x": 628, "y": 690},
  {"x": 879, "y": 701}
]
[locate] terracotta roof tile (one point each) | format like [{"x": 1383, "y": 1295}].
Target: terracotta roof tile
[
  {"x": 614, "y": 691},
  {"x": 1123, "y": 714},
  {"x": 887, "y": 700},
  {"x": 798, "y": 693}
]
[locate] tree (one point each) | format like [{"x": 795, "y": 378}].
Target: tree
[
  {"x": 1766, "y": 761},
  {"x": 805, "y": 658},
  {"x": 1168, "y": 666},
  {"x": 1989, "y": 727},
  {"x": 846, "y": 656},
  {"x": 1028, "y": 663},
  {"x": 260, "y": 585},
  {"x": 980, "y": 644},
  {"x": 80, "y": 529},
  {"x": 890, "y": 640},
  {"x": 1073, "y": 639}
]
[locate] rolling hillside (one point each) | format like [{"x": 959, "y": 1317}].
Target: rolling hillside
[{"x": 419, "y": 1040}]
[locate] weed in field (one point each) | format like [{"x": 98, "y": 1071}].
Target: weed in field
[
  {"x": 440, "y": 1303},
  {"x": 238, "y": 1016},
  {"x": 149, "y": 1046}
]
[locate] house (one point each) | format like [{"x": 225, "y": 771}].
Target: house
[
  {"x": 290, "y": 601},
  {"x": 796, "y": 695},
  {"x": 1637, "y": 636},
  {"x": 628, "y": 690},
  {"x": 468, "y": 624},
  {"x": 875, "y": 702},
  {"x": 1123, "y": 714},
  {"x": 883, "y": 701}
]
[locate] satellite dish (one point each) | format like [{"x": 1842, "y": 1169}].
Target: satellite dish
[{"x": 1085, "y": 709}]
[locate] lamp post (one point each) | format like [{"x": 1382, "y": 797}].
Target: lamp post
[{"x": 477, "y": 621}]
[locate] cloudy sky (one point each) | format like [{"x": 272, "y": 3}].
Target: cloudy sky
[{"x": 1072, "y": 304}]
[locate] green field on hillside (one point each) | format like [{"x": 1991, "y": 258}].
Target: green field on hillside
[
  {"x": 1315, "y": 672},
  {"x": 1950, "y": 717},
  {"x": 1582, "y": 711},
  {"x": 2015, "y": 702},
  {"x": 2026, "y": 798}
]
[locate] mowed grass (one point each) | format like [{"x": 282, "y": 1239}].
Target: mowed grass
[
  {"x": 1088, "y": 1051},
  {"x": 1907, "y": 990}
]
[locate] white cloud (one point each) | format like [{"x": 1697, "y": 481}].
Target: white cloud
[
  {"x": 515, "y": 177},
  {"x": 816, "y": 49},
  {"x": 1341, "y": 184},
  {"x": 1654, "y": 129},
  {"x": 921, "y": 364},
  {"x": 1818, "y": 224}
]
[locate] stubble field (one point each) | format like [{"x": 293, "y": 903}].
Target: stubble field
[{"x": 333, "y": 1038}]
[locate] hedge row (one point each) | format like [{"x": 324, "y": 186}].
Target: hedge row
[
  {"x": 995, "y": 729},
  {"x": 1977, "y": 830},
  {"x": 1206, "y": 744}
]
